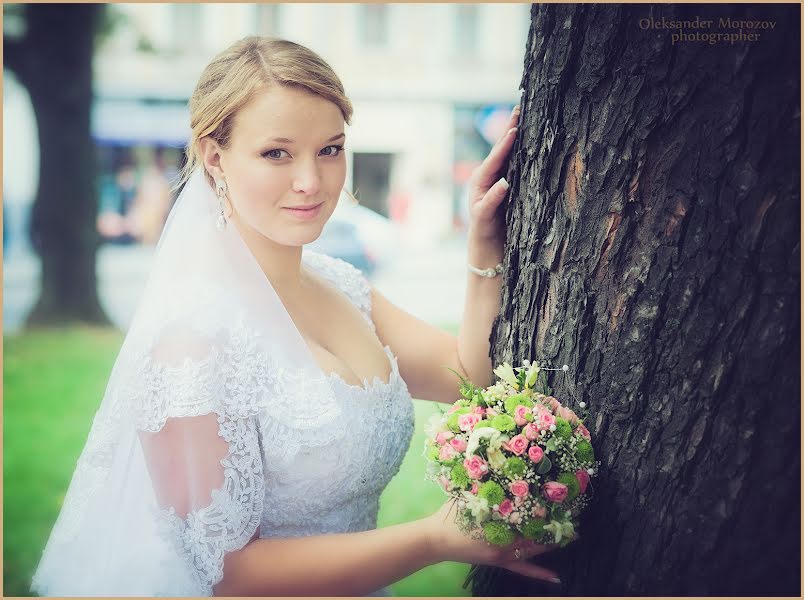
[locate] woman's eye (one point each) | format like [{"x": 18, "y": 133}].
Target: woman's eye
[
  {"x": 336, "y": 149},
  {"x": 275, "y": 153}
]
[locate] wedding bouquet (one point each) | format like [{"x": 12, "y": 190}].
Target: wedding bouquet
[{"x": 516, "y": 461}]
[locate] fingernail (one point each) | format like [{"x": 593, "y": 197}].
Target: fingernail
[
  {"x": 555, "y": 580},
  {"x": 510, "y": 131},
  {"x": 505, "y": 183},
  {"x": 516, "y": 109}
]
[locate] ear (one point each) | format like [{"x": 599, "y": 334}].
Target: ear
[{"x": 211, "y": 155}]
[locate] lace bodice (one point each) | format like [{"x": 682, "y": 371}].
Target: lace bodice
[{"x": 288, "y": 465}]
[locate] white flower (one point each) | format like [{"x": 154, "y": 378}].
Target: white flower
[
  {"x": 506, "y": 372},
  {"x": 532, "y": 374},
  {"x": 435, "y": 424},
  {"x": 496, "y": 458},
  {"x": 479, "y": 506},
  {"x": 494, "y": 436},
  {"x": 561, "y": 529}
]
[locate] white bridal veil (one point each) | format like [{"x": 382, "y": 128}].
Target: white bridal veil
[{"x": 172, "y": 475}]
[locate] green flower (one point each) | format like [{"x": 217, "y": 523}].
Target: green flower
[
  {"x": 511, "y": 402},
  {"x": 482, "y": 423},
  {"x": 492, "y": 492},
  {"x": 563, "y": 428},
  {"x": 573, "y": 487},
  {"x": 533, "y": 529},
  {"x": 452, "y": 420},
  {"x": 432, "y": 453},
  {"x": 503, "y": 423},
  {"x": 459, "y": 476},
  {"x": 514, "y": 468},
  {"x": 584, "y": 451},
  {"x": 498, "y": 533}
]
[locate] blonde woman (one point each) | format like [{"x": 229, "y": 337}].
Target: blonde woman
[{"x": 262, "y": 397}]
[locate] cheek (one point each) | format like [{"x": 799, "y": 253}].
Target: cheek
[{"x": 258, "y": 196}]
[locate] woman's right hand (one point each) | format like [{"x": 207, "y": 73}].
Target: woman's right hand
[{"x": 448, "y": 542}]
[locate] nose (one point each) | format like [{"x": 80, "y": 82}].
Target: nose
[{"x": 306, "y": 179}]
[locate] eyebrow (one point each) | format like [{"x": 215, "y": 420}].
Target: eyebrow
[{"x": 289, "y": 141}]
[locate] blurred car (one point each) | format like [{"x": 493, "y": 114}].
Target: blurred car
[{"x": 359, "y": 236}]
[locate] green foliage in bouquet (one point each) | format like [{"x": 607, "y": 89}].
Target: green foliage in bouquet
[
  {"x": 498, "y": 533},
  {"x": 533, "y": 529},
  {"x": 492, "y": 492},
  {"x": 514, "y": 468}
]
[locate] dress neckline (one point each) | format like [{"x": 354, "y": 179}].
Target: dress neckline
[{"x": 367, "y": 386}]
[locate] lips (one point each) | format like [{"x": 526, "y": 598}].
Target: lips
[{"x": 305, "y": 213}]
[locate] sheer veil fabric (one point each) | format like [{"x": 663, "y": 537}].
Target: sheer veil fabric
[{"x": 171, "y": 477}]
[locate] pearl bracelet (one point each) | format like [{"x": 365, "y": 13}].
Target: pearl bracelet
[{"x": 490, "y": 272}]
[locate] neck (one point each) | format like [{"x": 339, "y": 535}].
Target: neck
[{"x": 281, "y": 264}]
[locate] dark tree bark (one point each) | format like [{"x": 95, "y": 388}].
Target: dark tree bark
[
  {"x": 654, "y": 246},
  {"x": 53, "y": 60}
]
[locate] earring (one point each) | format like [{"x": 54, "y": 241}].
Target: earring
[{"x": 220, "y": 191}]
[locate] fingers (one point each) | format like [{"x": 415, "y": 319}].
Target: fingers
[
  {"x": 492, "y": 164},
  {"x": 489, "y": 203}
]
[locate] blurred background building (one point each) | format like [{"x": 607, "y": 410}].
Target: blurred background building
[{"x": 432, "y": 86}]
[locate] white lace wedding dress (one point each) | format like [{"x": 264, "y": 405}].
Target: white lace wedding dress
[{"x": 284, "y": 470}]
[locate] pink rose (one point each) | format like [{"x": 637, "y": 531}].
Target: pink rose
[
  {"x": 519, "y": 415},
  {"x": 506, "y": 507},
  {"x": 475, "y": 467},
  {"x": 539, "y": 511},
  {"x": 468, "y": 422},
  {"x": 552, "y": 403},
  {"x": 517, "y": 444},
  {"x": 443, "y": 436},
  {"x": 518, "y": 501},
  {"x": 566, "y": 414},
  {"x": 535, "y": 453},
  {"x": 545, "y": 420},
  {"x": 554, "y": 491},
  {"x": 519, "y": 488},
  {"x": 458, "y": 444},
  {"x": 479, "y": 410},
  {"x": 531, "y": 431},
  {"x": 583, "y": 431},
  {"x": 453, "y": 408},
  {"x": 490, "y": 412},
  {"x": 447, "y": 452},
  {"x": 475, "y": 488},
  {"x": 583, "y": 479}
]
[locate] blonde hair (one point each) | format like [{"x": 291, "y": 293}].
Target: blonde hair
[{"x": 236, "y": 74}]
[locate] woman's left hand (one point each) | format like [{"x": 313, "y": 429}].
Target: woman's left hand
[{"x": 487, "y": 189}]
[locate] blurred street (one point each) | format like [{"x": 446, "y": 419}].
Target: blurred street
[{"x": 427, "y": 281}]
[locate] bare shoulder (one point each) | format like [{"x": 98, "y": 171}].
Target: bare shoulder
[{"x": 424, "y": 352}]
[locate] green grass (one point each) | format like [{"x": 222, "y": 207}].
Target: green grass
[{"x": 53, "y": 381}]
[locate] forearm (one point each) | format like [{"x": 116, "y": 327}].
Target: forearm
[
  {"x": 481, "y": 307},
  {"x": 344, "y": 564}
]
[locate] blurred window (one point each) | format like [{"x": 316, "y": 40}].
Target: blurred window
[
  {"x": 466, "y": 28},
  {"x": 373, "y": 24},
  {"x": 268, "y": 18},
  {"x": 186, "y": 25}
]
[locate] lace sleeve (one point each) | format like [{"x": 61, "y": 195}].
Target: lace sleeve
[
  {"x": 346, "y": 277},
  {"x": 203, "y": 456}
]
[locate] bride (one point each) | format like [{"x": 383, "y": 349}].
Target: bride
[{"x": 261, "y": 400}]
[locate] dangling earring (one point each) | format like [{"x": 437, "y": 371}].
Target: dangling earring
[{"x": 220, "y": 190}]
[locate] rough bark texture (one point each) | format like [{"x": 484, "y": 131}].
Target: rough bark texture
[
  {"x": 654, "y": 246},
  {"x": 54, "y": 62}
]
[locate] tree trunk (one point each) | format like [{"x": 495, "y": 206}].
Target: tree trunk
[
  {"x": 54, "y": 62},
  {"x": 654, "y": 247}
]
